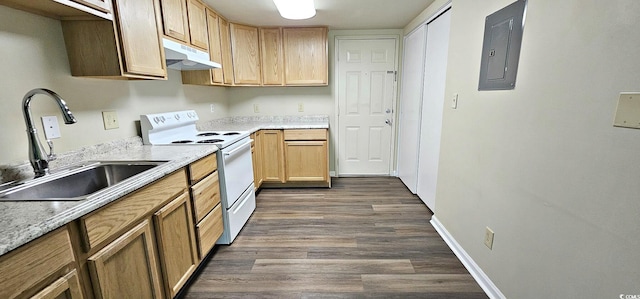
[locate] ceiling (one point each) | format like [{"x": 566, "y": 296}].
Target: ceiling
[{"x": 337, "y": 14}]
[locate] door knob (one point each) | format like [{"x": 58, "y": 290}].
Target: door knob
[{"x": 388, "y": 110}]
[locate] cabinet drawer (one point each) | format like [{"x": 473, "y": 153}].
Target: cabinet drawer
[
  {"x": 206, "y": 195},
  {"x": 106, "y": 222},
  {"x": 309, "y": 134},
  {"x": 209, "y": 230},
  {"x": 202, "y": 167},
  {"x": 29, "y": 265}
]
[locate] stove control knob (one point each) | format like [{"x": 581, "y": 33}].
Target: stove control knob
[
  {"x": 177, "y": 116},
  {"x": 156, "y": 119},
  {"x": 162, "y": 119}
]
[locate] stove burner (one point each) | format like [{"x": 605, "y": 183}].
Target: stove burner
[
  {"x": 210, "y": 141},
  {"x": 231, "y": 133},
  {"x": 182, "y": 141},
  {"x": 208, "y": 134}
]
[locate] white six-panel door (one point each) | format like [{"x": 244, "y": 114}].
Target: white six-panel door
[{"x": 366, "y": 88}]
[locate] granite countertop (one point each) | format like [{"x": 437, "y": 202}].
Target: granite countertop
[{"x": 22, "y": 222}]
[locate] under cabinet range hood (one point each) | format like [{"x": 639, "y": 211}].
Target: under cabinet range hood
[{"x": 185, "y": 58}]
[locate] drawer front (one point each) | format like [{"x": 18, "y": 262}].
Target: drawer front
[
  {"x": 205, "y": 195},
  {"x": 209, "y": 230},
  {"x": 203, "y": 167},
  {"x": 309, "y": 134},
  {"x": 28, "y": 265},
  {"x": 107, "y": 221}
]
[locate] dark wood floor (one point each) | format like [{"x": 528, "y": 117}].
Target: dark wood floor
[{"x": 365, "y": 237}]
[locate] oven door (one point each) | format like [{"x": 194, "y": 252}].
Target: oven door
[{"x": 237, "y": 170}]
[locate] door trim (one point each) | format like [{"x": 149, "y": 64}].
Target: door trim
[{"x": 394, "y": 103}]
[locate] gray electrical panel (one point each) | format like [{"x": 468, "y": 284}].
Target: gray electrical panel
[{"x": 501, "y": 47}]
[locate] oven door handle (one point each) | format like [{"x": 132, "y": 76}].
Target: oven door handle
[{"x": 240, "y": 148}]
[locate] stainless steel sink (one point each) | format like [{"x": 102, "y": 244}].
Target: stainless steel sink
[{"x": 77, "y": 183}]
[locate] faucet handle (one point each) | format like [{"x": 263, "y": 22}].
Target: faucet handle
[{"x": 51, "y": 156}]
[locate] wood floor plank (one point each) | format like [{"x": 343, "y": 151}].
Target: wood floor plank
[
  {"x": 423, "y": 283},
  {"x": 318, "y": 266},
  {"x": 363, "y": 238}
]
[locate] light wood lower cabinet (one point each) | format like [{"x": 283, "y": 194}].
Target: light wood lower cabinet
[
  {"x": 127, "y": 267},
  {"x": 40, "y": 268},
  {"x": 205, "y": 194},
  {"x": 256, "y": 157},
  {"x": 67, "y": 287},
  {"x": 292, "y": 157},
  {"x": 306, "y": 161},
  {"x": 176, "y": 243},
  {"x": 272, "y": 156}
]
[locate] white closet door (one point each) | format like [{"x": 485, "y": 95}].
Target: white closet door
[
  {"x": 432, "y": 107},
  {"x": 410, "y": 103}
]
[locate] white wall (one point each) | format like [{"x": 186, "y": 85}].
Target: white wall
[
  {"x": 33, "y": 55},
  {"x": 542, "y": 165}
]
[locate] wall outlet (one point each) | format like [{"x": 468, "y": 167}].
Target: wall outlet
[
  {"x": 488, "y": 238},
  {"x": 51, "y": 127},
  {"x": 110, "y": 120},
  {"x": 213, "y": 108},
  {"x": 454, "y": 101},
  {"x": 300, "y": 107},
  {"x": 256, "y": 108}
]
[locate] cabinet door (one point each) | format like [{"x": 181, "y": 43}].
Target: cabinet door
[
  {"x": 176, "y": 243},
  {"x": 272, "y": 156},
  {"x": 138, "y": 28},
  {"x": 225, "y": 45},
  {"x": 246, "y": 55},
  {"x": 127, "y": 267},
  {"x": 306, "y": 161},
  {"x": 305, "y": 56},
  {"x": 198, "y": 24},
  {"x": 256, "y": 157},
  {"x": 101, "y": 5},
  {"x": 215, "y": 47},
  {"x": 67, "y": 287},
  {"x": 174, "y": 19},
  {"x": 271, "y": 56}
]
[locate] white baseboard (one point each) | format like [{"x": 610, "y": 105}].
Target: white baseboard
[
  {"x": 332, "y": 174},
  {"x": 483, "y": 280}
]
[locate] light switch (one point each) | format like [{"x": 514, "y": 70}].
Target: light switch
[
  {"x": 51, "y": 127},
  {"x": 628, "y": 111}
]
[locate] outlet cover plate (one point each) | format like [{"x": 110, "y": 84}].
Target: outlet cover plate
[
  {"x": 51, "y": 127},
  {"x": 628, "y": 111},
  {"x": 488, "y": 238},
  {"x": 110, "y": 119}
]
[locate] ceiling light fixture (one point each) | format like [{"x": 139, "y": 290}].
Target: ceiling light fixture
[{"x": 296, "y": 9}]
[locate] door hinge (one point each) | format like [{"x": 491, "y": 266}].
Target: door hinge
[{"x": 395, "y": 75}]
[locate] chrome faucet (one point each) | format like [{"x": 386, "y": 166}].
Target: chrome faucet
[{"x": 37, "y": 156}]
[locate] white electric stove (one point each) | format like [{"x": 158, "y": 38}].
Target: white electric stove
[{"x": 235, "y": 169}]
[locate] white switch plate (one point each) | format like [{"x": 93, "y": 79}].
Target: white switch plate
[
  {"x": 110, "y": 120},
  {"x": 256, "y": 108},
  {"x": 300, "y": 107},
  {"x": 454, "y": 101},
  {"x": 51, "y": 127},
  {"x": 628, "y": 111}
]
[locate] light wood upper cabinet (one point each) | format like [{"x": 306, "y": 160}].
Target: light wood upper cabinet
[
  {"x": 186, "y": 21},
  {"x": 101, "y": 5},
  {"x": 246, "y": 55},
  {"x": 175, "y": 20},
  {"x": 305, "y": 56},
  {"x": 127, "y": 267},
  {"x": 271, "y": 56},
  {"x": 129, "y": 47},
  {"x": 225, "y": 45},
  {"x": 176, "y": 243},
  {"x": 215, "y": 45},
  {"x": 198, "y": 24},
  {"x": 272, "y": 156}
]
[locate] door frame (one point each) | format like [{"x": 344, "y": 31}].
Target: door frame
[{"x": 394, "y": 101}]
